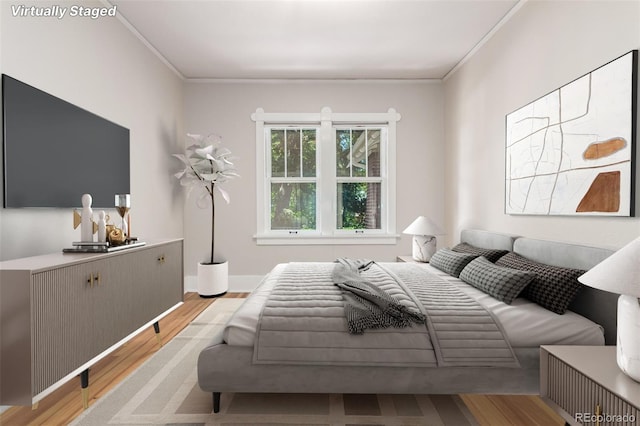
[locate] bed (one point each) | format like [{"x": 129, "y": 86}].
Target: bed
[{"x": 231, "y": 363}]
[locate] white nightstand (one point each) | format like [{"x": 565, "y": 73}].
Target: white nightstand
[
  {"x": 409, "y": 259},
  {"x": 584, "y": 385}
]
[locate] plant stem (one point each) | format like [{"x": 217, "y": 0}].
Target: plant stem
[{"x": 213, "y": 222}]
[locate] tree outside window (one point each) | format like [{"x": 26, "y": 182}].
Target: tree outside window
[{"x": 293, "y": 178}]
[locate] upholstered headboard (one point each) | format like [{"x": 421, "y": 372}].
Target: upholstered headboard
[
  {"x": 486, "y": 239},
  {"x": 597, "y": 305}
]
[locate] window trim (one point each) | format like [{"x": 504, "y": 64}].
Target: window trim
[{"x": 325, "y": 232}]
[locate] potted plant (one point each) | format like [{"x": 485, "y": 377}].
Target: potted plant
[{"x": 206, "y": 166}]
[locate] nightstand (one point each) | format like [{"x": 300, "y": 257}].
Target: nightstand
[
  {"x": 585, "y": 386},
  {"x": 409, "y": 259}
]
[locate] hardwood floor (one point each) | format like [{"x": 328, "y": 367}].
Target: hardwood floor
[
  {"x": 65, "y": 404},
  {"x": 498, "y": 410}
]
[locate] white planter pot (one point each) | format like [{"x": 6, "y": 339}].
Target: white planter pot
[{"x": 213, "y": 279}]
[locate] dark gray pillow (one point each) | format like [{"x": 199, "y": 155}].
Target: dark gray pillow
[
  {"x": 554, "y": 287},
  {"x": 451, "y": 262},
  {"x": 505, "y": 284},
  {"x": 490, "y": 254}
]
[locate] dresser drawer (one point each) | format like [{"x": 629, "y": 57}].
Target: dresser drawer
[
  {"x": 584, "y": 386},
  {"x": 584, "y": 399}
]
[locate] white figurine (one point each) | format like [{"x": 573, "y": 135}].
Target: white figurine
[
  {"x": 86, "y": 225},
  {"x": 102, "y": 227}
]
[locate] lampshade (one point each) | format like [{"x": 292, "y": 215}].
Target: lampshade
[
  {"x": 618, "y": 273},
  {"x": 423, "y": 226}
]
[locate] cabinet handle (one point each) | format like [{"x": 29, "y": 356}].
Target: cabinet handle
[{"x": 94, "y": 278}]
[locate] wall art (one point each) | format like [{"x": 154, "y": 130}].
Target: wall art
[{"x": 572, "y": 151}]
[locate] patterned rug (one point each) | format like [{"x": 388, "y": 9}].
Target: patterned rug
[{"x": 164, "y": 391}]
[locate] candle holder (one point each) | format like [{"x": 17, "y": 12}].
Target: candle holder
[{"x": 123, "y": 205}]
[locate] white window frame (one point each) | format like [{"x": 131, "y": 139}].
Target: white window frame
[
  {"x": 382, "y": 179},
  {"x": 326, "y": 232},
  {"x": 267, "y": 180}
]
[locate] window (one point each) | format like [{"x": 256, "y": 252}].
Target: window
[
  {"x": 292, "y": 178},
  {"x": 325, "y": 178},
  {"x": 358, "y": 177}
]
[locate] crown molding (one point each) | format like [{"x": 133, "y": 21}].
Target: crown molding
[
  {"x": 144, "y": 41},
  {"x": 314, "y": 80},
  {"x": 485, "y": 39},
  {"x": 453, "y": 70}
]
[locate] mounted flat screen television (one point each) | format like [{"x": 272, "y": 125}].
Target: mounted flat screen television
[{"x": 54, "y": 151}]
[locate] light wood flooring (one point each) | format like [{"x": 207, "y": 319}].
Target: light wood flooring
[{"x": 63, "y": 405}]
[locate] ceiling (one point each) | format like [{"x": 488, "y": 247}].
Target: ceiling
[{"x": 313, "y": 39}]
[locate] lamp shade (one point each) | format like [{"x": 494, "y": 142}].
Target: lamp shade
[
  {"x": 423, "y": 226},
  {"x": 618, "y": 273}
]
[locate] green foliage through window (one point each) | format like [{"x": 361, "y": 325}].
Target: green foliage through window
[
  {"x": 293, "y": 172},
  {"x": 293, "y": 206},
  {"x": 358, "y": 205}
]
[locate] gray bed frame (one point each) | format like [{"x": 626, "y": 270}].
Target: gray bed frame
[{"x": 223, "y": 368}]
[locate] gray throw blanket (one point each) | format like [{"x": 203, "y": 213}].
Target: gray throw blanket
[{"x": 366, "y": 305}]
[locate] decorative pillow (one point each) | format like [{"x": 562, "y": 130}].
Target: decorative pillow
[
  {"x": 502, "y": 283},
  {"x": 554, "y": 287},
  {"x": 451, "y": 262},
  {"x": 490, "y": 254}
]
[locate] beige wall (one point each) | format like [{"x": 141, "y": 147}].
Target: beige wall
[
  {"x": 100, "y": 66},
  {"x": 226, "y": 108},
  {"x": 545, "y": 45}
]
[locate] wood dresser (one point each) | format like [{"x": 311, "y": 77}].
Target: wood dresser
[{"x": 61, "y": 313}]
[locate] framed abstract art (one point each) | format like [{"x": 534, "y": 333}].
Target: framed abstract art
[{"x": 572, "y": 151}]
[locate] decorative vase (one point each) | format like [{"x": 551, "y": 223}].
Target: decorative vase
[{"x": 213, "y": 279}]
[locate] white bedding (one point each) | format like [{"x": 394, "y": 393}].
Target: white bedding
[{"x": 526, "y": 324}]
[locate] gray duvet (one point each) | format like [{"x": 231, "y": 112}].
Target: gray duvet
[{"x": 303, "y": 323}]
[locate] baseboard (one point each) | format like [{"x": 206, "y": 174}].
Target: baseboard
[{"x": 237, "y": 283}]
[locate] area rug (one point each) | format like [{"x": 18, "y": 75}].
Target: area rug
[{"x": 164, "y": 391}]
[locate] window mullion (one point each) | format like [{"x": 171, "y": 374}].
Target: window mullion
[
  {"x": 286, "y": 153},
  {"x": 366, "y": 152},
  {"x": 350, "y": 152},
  {"x": 294, "y": 180},
  {"x": 301, "y": 145},
  {"x": 327, "y": 172}
]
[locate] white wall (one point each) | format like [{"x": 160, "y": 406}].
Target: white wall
[
  {"x": 100, "y": 66},
  {"x": 226, "y": 108},
  {"x": 545, "y": 45}
]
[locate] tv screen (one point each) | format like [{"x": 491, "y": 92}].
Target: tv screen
[{"x": 54, "y": 151}]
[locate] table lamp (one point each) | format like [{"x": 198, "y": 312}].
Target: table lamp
[
  {"x": 424, "y": 231},
  {"x": 620, "y": 273}
]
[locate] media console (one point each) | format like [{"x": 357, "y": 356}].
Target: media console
[{"x": 62, "y": 313}]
